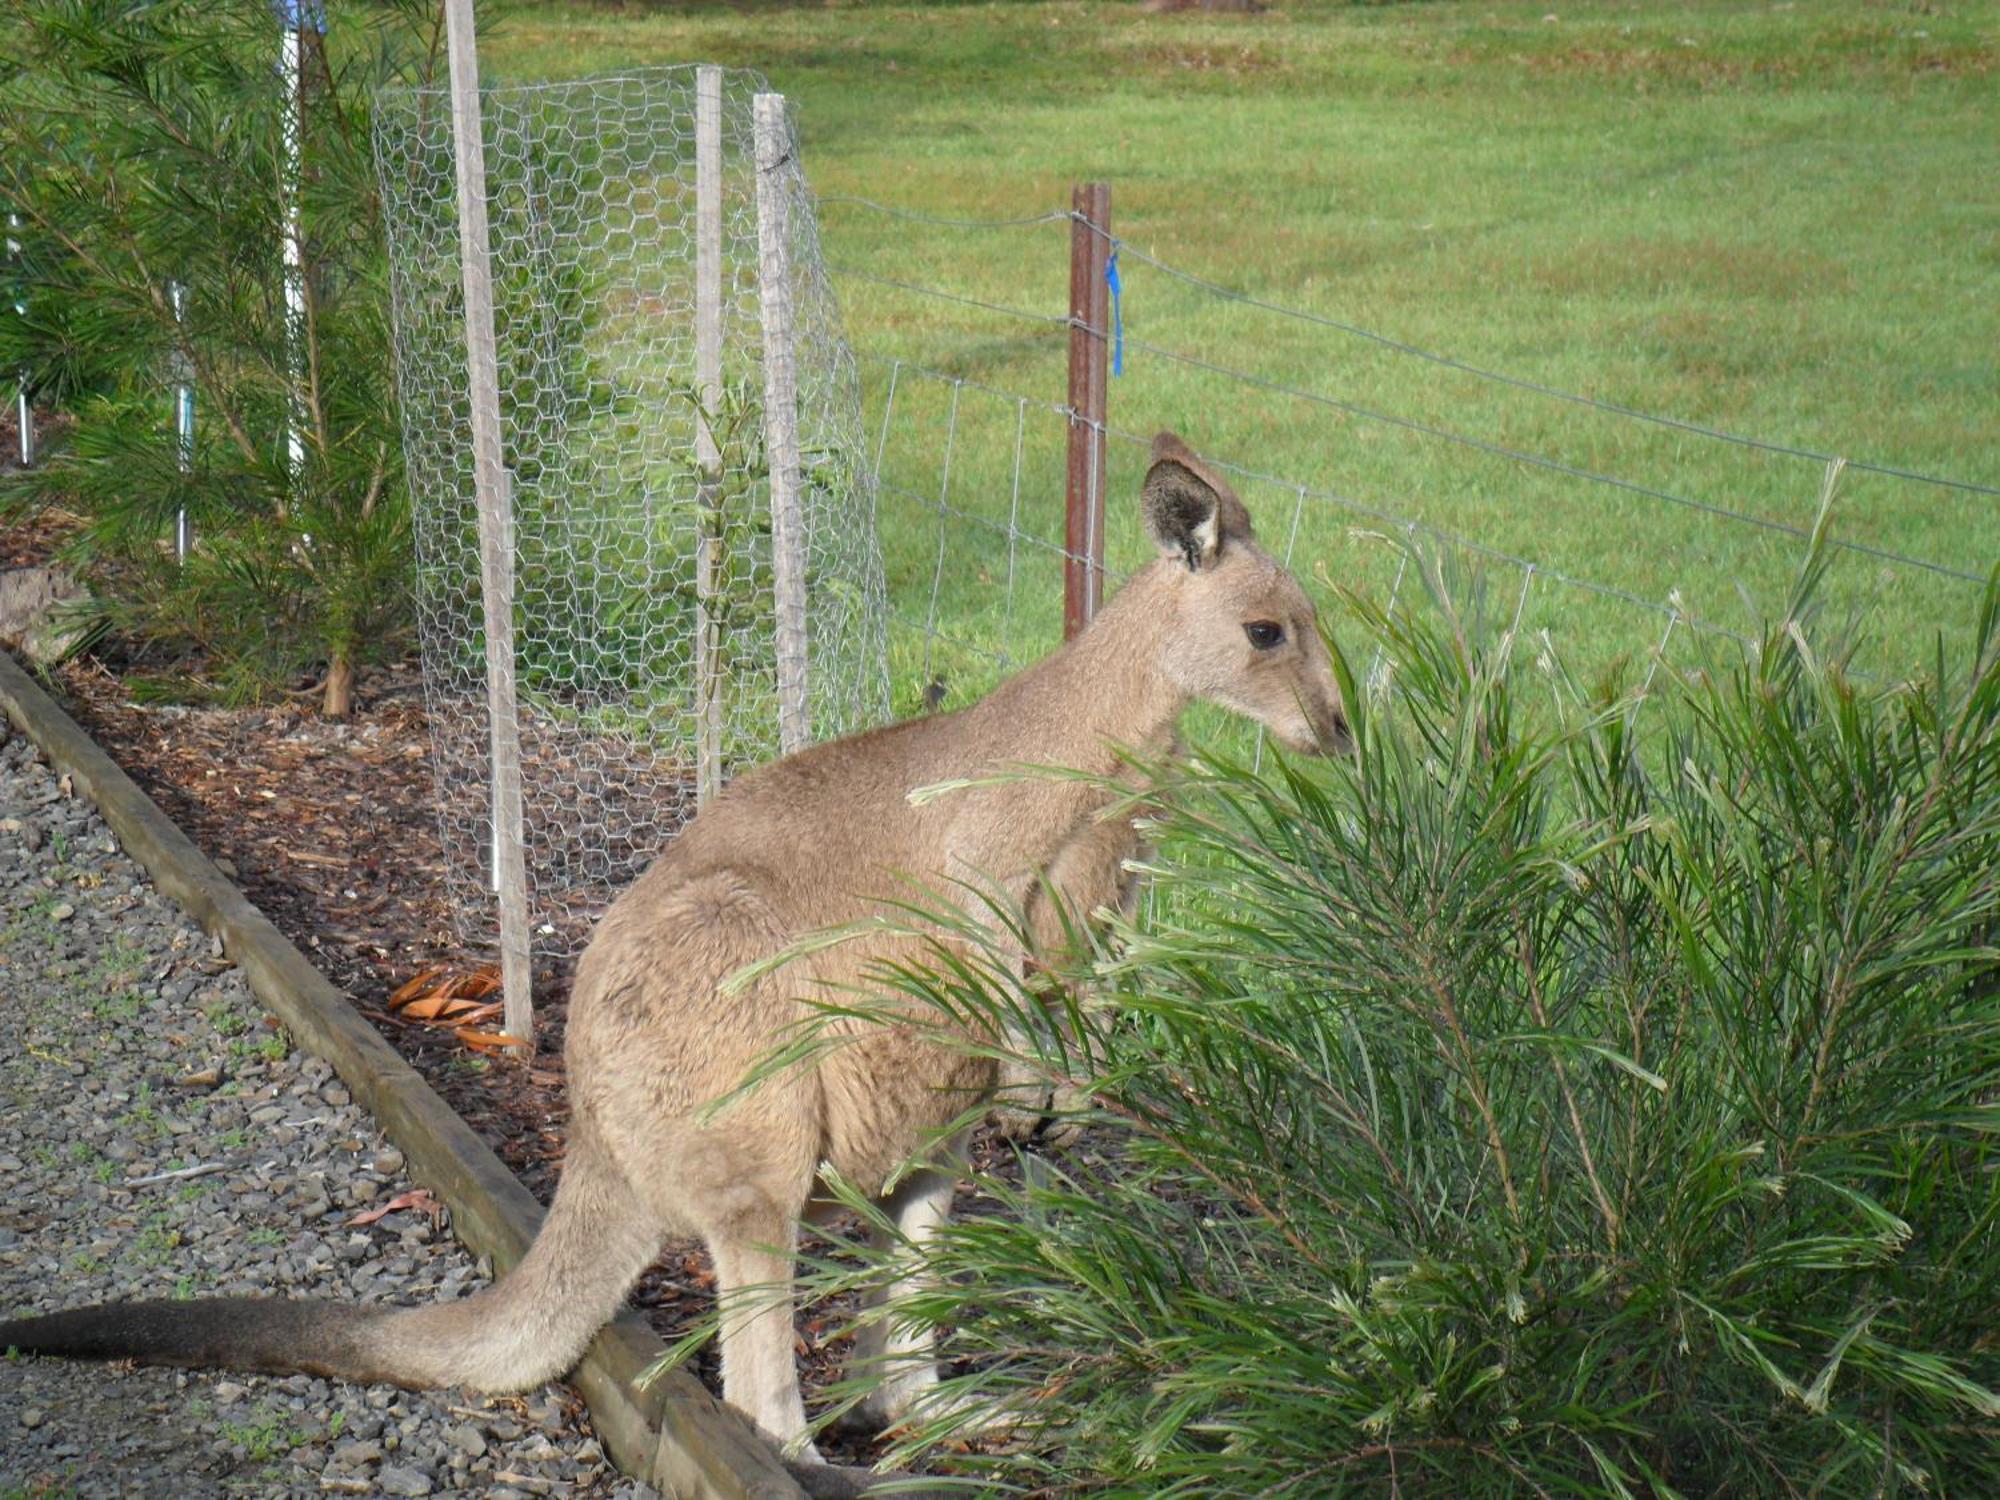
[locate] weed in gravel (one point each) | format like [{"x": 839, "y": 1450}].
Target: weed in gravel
[
  {"x": 40, "y": 913},
  {"x": 145, "y": 1120},
  {"x": 224, "y": 1018},
  {"x": 125, "y": 1005},
  {"x": 264, "y": 1439},
  {"x": 40, "y": 1489},
  {"x": 120, "y": 966},
  {"x": 274, "y": 1048},
  {"x": 156, "y": 1242}
]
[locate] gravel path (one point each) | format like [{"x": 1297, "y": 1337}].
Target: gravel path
[{"x": 159, "y": 1139}]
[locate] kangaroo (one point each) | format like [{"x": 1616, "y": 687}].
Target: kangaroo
[{"x": 822, "y": 837}]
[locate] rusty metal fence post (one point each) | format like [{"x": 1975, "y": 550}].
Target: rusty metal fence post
[{"x": 1083, "y": 531}]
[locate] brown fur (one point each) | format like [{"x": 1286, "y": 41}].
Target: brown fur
[{"x": 821, "y": 838}]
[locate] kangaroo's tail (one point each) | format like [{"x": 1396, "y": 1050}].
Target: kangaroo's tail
[{"x": 530, "y": 1327}]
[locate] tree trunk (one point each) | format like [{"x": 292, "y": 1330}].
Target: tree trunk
[{"x": 337, "y": 702}]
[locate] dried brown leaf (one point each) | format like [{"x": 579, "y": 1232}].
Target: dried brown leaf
[{"x": 414, "y": 1198}]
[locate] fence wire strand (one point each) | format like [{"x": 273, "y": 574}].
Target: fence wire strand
[
  {"x": 1441, "y": 434},
  {"x": 1610, "y": 408},
  {"x": 1049, "y": 320},
  {"x": 902, "y": 369},
  {"x": 1553, "y": 465},
  {"x": 914, "y": 216},
  {"x": 1418, "y": 352}
]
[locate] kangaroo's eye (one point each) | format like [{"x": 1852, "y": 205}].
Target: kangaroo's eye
[{"x": 1264, "y": 634}]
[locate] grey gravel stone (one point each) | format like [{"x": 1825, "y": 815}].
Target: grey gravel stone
[
  {"x": 354, "y": 1455},
  {"x": 129, "y": 1049},
  {"x": 397, "y": 1481},
  {"x": 467, "y": 1439}
]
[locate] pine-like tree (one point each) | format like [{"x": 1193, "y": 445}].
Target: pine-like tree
[{"x": 142, "y": 143}]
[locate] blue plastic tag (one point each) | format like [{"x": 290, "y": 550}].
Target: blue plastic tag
[{"x": 1117, "y": 312}]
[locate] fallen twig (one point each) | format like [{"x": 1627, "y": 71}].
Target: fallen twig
[{"x": 177, "y": 1174}]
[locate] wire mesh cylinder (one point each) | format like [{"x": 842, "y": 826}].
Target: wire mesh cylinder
[{"x": 640, "y": 486}]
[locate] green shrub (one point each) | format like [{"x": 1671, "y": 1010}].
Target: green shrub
[
  {"x": 141, "y": 143},
  {"x": 1573, "y": 1093}
]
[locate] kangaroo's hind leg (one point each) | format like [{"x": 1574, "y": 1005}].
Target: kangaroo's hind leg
[
  {"x": 668, "y": 1044},
  {"x": 893, "y": 1347},
  {"x": 753, "y": 1242},
  {"x": 741, "y": 1183}
]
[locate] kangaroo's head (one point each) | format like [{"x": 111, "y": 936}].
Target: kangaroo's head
[{"x": 1240, "y": 631}]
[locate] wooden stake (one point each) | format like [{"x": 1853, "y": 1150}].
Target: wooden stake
[
  {"x": 781, "y": 418},
  {"x": 496, "y": 527},
  {"x": 708, "y": 452}
]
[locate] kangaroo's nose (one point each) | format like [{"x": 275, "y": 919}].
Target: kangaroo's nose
[{"x": 1331, "y": 734}]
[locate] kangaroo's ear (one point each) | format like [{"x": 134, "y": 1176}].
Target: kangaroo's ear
[{"x": 1190, "y": 512}]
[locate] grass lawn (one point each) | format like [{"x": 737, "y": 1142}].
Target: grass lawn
[{"x": 1781, "y": 220}]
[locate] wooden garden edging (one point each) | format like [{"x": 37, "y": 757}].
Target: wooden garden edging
[{"x": 674, "y": 1435}]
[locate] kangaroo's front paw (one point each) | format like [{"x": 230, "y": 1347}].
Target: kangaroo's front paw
[
  {"x": 1019, "y": 1119},
  {"x": 1046, "y": 1114}
]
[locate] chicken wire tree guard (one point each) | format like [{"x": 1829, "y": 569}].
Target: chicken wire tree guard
[{"x": 688, "y": 513}]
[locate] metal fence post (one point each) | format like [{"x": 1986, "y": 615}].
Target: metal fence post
[
  {"x": 1083, "y": 531},
  {"x": 496, "y": 529},
  {"x": 296, "y": 17},
  {"x": 24, "y": 408},
  {"x": 183, "y": 368}
]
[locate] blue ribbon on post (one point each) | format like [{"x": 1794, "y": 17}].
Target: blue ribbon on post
[{"x": 1117, "y": 312}]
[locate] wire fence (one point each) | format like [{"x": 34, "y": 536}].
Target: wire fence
[
  {"x": 1610, "y": 561},
  {"x": 975, "y": 569},
  {"x": 650, "y": 578}
]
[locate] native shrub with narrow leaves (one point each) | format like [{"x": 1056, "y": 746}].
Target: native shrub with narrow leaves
[
  {"x": 141, "y": 145},
  {"x": 1574, "y": 1093}
]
